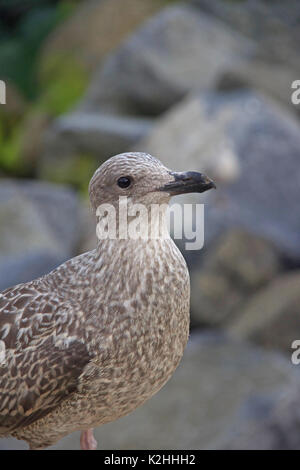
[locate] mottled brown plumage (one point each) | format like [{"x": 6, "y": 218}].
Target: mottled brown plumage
[{"x": 99, "y": 335}]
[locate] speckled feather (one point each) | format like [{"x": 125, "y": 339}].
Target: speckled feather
[{"x": 99, "y": 335}]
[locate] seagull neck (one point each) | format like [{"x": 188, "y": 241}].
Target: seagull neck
[{"x": 132, "y": 222}]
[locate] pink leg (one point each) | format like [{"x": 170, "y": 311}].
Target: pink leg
[{"x": 87, "y": 440}]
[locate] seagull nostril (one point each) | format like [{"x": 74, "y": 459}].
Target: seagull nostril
[
  {"x": 186, "y": 178},
  {"x": 182, "y": 176}
]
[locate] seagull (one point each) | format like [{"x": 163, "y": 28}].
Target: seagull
[{"x": 99, "y": 335}]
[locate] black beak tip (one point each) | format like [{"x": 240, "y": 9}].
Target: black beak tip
[{"x": 207, "y": 182}]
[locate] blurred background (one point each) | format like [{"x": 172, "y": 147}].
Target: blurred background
[{"x": 203, "y": 85}]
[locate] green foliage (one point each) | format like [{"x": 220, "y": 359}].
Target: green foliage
[
  {"x": 75, "y": 170},
  {"x": 19, "y": 48},
  {"x": 10, "y": 148},
  {"x": 15, "y": 63},
  {"x": 64, "y": 83},
  {"x": 24, "y": 25}
]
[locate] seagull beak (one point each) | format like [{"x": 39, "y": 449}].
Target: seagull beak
[{"x": 188, "y": 182}]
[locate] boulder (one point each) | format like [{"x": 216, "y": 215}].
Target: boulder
[
  {"x": 39, "y": 228},
  {"x": 273, "y": 27},
  {"x": 232, "y": 270},
  {"x": 278, "y": 430},
  {"x": 78, "y": 45},
  {"x": 173, "y": 52},
  {"x": 271, "y": 317},
  {"x": 265, "y": 76},
  {"x": 250, "y": 146},
  {"x": 222, "y": 391},
  {"x": 87, "y": 134},
  {"x": 16, "y": 269}
]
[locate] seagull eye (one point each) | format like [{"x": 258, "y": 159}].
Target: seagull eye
[{"x": 124, "y": 182}]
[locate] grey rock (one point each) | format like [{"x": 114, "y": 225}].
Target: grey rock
[
  {"x": 221, "y": 388},
  {"x": 265, "y": 76},
  {"x": 39, "y": 227},
  {"x": 232, "y": 270},
  {"x": 250, "y": 146},
  {"x": 92, "y": 133},
  {"x": 270, "y": 318},
  {"x": 272, "y": 24},
  {"x": 177, "y": 50},
  {"x": 23, "y": 268},
  {"x": 277, "y": 431}
]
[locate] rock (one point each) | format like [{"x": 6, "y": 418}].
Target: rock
[
  {"x": 220, "y": 388},
  {"x": 271, "y": 316},
  {"x": 273, "y": 27},
  {"x": 248, "y": 260},
  {"x": 188, "y": 137},
  {"x": 250, "y": 146},
  {"x": 175, "y": 51},
  {"x": 23, "y": 268},
  {"x": 38, "y": 227},
  {"x": 233, "y": 268},
  {"x": 216, "y": 298},
  {"x": 95, "y": 28},
  {"x": 278, "y": 431},
  {"x": 73, "y": 50},
  {"x": 273, "y": 79},
  {"x": 94, "y": 134}
]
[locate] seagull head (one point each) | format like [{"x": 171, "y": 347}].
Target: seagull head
[{"x": 142, "y": 179}]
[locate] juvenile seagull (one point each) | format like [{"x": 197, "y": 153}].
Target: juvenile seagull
[{"x": 95, "y": 338}]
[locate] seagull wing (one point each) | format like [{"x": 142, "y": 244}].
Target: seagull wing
[{"x": 41, "y": 358}]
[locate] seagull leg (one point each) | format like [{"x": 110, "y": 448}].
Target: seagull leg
[{"x": 87, "y": 440}]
